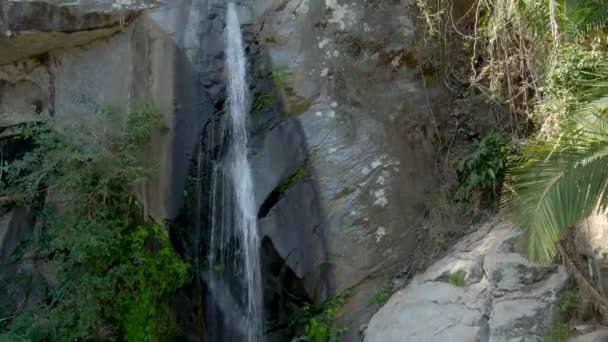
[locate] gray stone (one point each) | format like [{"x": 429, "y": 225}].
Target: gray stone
[
  {"x": 599, "y": 335},
  {"x": 15, "y": 226},
  {"x": 499, "y": 301},
  {"x": 154, "y": 59},
  {"x": 25, "y": 92},
  {"x": 30, "y": 28},
  {"x": 364, "y": 117}
]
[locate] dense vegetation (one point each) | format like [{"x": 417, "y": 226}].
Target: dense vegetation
[
  {"x": 109, "y": 269},
  {"x": 539, "y": 69},
  {"x": 542, "y": 66},
  {"x": 320, "y": 325}
]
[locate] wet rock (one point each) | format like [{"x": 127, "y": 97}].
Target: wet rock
[{"x": 511, "y": 299}]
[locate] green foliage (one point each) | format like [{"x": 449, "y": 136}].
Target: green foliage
[
  {"x": 560, "y": 332},
  {"x": 347, "y": 190},
  {"x": 320, "y": 326},
  {"x": 562, "y": 183},
  {"x": 279, "y": 77},
  {"x": 116, "y": 269},
  {"x": 300, "y": 174},
  {"x": 582, "y": 18},
  {"x": 383, "y": 295},
  {"x": 483, "y": 169},
  {"x": 575, "y": 68},
  {"x": 262, "y": 102},
  {"x": 270, "y": 38},
  {"x": 564, "y": 178},
  {"x": 571, "y": 303},
  {"x": 458, "y": 278}
]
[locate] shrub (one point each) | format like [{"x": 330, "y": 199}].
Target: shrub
[
  {"x": 320, "y": 326},
  {"x": 383, "y": 295},
  {"x": 571, "y": 304},
  {"x": 483, "y": 169},
  {"x": 116, "y": 268}
]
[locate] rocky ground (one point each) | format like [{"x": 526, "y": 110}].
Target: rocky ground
[{"x": 484, "y": 290}]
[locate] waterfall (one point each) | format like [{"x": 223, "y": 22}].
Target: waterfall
[{"x": 234, "y": 258}]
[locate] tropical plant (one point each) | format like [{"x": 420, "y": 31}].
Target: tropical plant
[
  {"x": 482, "y": 170},
  {"x": 564, "y": 179}
]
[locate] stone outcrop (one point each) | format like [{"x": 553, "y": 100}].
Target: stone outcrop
[
  {"x": 31, "y": 28},
  {"x": 484, "y": 290}
]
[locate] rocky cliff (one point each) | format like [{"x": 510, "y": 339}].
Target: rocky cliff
[{"x": 342, "y": 133}]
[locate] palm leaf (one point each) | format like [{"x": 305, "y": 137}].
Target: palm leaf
[{"x": 556, "y": 192}]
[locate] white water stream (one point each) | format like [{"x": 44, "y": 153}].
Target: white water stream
[{"x": 234, "y": 214}]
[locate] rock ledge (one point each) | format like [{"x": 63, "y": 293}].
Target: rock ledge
[{"x": 504, "y": 296}]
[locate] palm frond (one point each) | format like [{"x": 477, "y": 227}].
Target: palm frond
[{"x": 559, "y": 190}]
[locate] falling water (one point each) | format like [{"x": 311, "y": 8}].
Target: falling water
[{"x": 234, "y": 259}]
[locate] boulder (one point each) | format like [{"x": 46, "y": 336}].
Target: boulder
[{"x": 483, "y": 290}]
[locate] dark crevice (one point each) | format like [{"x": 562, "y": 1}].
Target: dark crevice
[{"x": 275, "y": 196}]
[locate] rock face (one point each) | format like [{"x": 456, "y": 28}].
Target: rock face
[
  {"x": 342, "y": 136},
  {"x": 30, "y": 28},
  {"x": 502, "y": 296},
  {"x": 153, "y": 59},
  {"x": 352, "y": 96},
  {"x": 86, "y": 60}
]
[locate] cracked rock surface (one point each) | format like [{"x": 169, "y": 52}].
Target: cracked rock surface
[{"x": 504, "y": 297}]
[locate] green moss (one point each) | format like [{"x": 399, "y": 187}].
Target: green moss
[
  {"x": 270, "y": 38},
  {"x": 297, "y": 176},
  {"x": 298, "y": 105},
  {"x": 279, "y": 76},
  {"x": 262, "y": 102},
  {"x": 344, "y": 192}
]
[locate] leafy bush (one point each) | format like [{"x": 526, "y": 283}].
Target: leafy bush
[
  {"x": 320, "y": 326},
  {"x": 483, "y": 169},
  {"x": 115, "y": 268}
]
